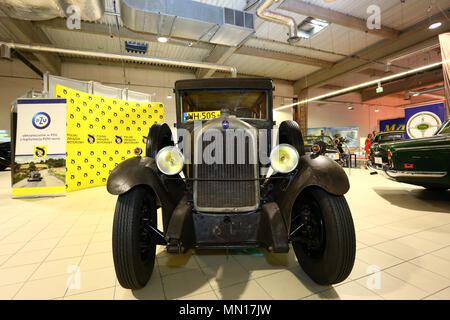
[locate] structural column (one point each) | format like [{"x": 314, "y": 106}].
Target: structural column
[
  {"x": 444, "y": 39},
  {"x": 302, "y": 112}
]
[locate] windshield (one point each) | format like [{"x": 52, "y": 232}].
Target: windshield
[
  {"x": 314, "y": 139},
  {"x": 445, "y": 129},
  {"x": 203, "y": 105},
  {"x": 390, "y": 137}
]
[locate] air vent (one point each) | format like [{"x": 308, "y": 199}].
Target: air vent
[
  {"x": 311, "y": 26},
  {"x": 188, "y": 19},
  {"x": 238, "y": 25},
  {"x": 238, "y": 18}
]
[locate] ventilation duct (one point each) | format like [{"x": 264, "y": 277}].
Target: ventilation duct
[
  {"x": 114, "y": 56},
  {"x": 271, "y": 16},
  {"x": 188, "y": 19},
  {"x": 90, "y": 10}
]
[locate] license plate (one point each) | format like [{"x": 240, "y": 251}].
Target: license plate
[
  {"x": 203, "y": 115},
  {"x": 378, "y": 160}
]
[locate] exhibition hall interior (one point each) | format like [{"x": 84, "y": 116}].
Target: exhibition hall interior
[{"x": 225, "y": 150}]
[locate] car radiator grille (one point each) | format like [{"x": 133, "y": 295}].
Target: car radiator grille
[{"x": 219, "y": 192}]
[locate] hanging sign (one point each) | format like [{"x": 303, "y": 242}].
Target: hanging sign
[{"x": 424, "y": 121}]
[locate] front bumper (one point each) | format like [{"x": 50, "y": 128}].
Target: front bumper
[
  {"x": 391, "y": 174},
  {"x": 264, "y": 228}
]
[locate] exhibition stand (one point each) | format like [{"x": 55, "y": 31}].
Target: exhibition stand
[{"x": 74, "y": 140}]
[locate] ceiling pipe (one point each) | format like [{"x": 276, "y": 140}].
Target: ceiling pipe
[
  {"x": 271, "y": 16},
  {"x": 366, "y": 84},
  {"x": 425, "y": 91},
  {"x": 410, "y": 53},
  {"x": 122, "y": 57}
]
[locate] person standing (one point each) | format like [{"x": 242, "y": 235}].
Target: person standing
[
  {"x": 367, "y": 148},
  {"x": 337, "y": 141}
]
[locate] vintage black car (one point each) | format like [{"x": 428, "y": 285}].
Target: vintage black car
[
  {"x": 5, "y": 155},
  {"x": 34, "y": 176},
  {"x": 223, "y": 183},
  {"x": 329, "y": 148}
]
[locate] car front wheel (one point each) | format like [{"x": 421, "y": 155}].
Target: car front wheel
[
  {"x": 133, "y": 247},
  {"x": 323, "y": 236}
]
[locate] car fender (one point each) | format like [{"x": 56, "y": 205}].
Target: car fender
[
  {"x": 312, "y": 171},
  {"x": 143, "y": 171}
]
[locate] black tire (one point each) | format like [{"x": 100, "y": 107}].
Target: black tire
[
  {"x": 159, "y": 136},
  {"x": 133, "y": 249},
  {"x": 331, "y": 261},
  {"x": 2, "y": 167},
  {"x": 290, "y": 133}
]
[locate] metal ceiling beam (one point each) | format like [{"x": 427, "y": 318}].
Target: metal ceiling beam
[
  {"x": 262, "y": 53},
  {"x": 28, "y": 63},
  {"x": 380, "y": 51},
  {"x": 219, "y": 54},
  {"x": 27, "y": 31},
  {"x": 108, "y": 63},
  {"x": 336, "y": 17},
  {"x": 408, "y": 83},
  {"x": 119, "y": 64}
]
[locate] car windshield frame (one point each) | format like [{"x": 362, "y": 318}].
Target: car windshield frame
[
  {"x": 180, "y": 102},
  {"x": 445, "y": 126},
  {"x": 379, "y": 138}
]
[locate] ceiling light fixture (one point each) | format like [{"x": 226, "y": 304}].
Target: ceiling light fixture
[
  {"x": 169, "y": 96},
  {"x": 162, "y": 39},
  {"x": 376, "y": 110},
  {"x": 435, "y": 25},
  {"x": 365, "y": 84}
]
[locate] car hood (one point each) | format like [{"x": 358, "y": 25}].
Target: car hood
[{"x": 409, "y": 143}]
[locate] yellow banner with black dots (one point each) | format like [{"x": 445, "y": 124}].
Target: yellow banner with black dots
[{"x": 101, "y": 133}]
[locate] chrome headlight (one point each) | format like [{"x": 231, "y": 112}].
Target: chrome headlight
[
  {"x": 284, "y": 158},
  {"x": 170, "y": 160}
]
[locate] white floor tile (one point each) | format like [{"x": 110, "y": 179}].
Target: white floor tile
[
  {"x": 250, "y": 290},
  {"x": 391, "y": 288},
  {"x": 348, "y": 291},
  {"x": 402, "y": 230},
  {"x": 426, "y": 280}
]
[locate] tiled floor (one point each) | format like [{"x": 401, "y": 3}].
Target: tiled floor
[{"x": 403, "y": 252}]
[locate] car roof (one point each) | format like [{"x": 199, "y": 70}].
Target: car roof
[{"x": 389, "y": 132}]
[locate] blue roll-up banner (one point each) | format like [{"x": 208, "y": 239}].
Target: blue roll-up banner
[
  {"x": 40, "y": 155},
  {"x": 397, "y": 124},
  {"x": 424, "y": 121}
]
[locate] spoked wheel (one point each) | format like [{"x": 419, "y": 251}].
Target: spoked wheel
[
  {"x": 133, "y": 247},
  {"x": 323, "y": 236}
]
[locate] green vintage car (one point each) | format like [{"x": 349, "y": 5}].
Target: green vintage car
[
  {"x": 423, "y": 162},
  {"x": 378, "y": 155}
]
